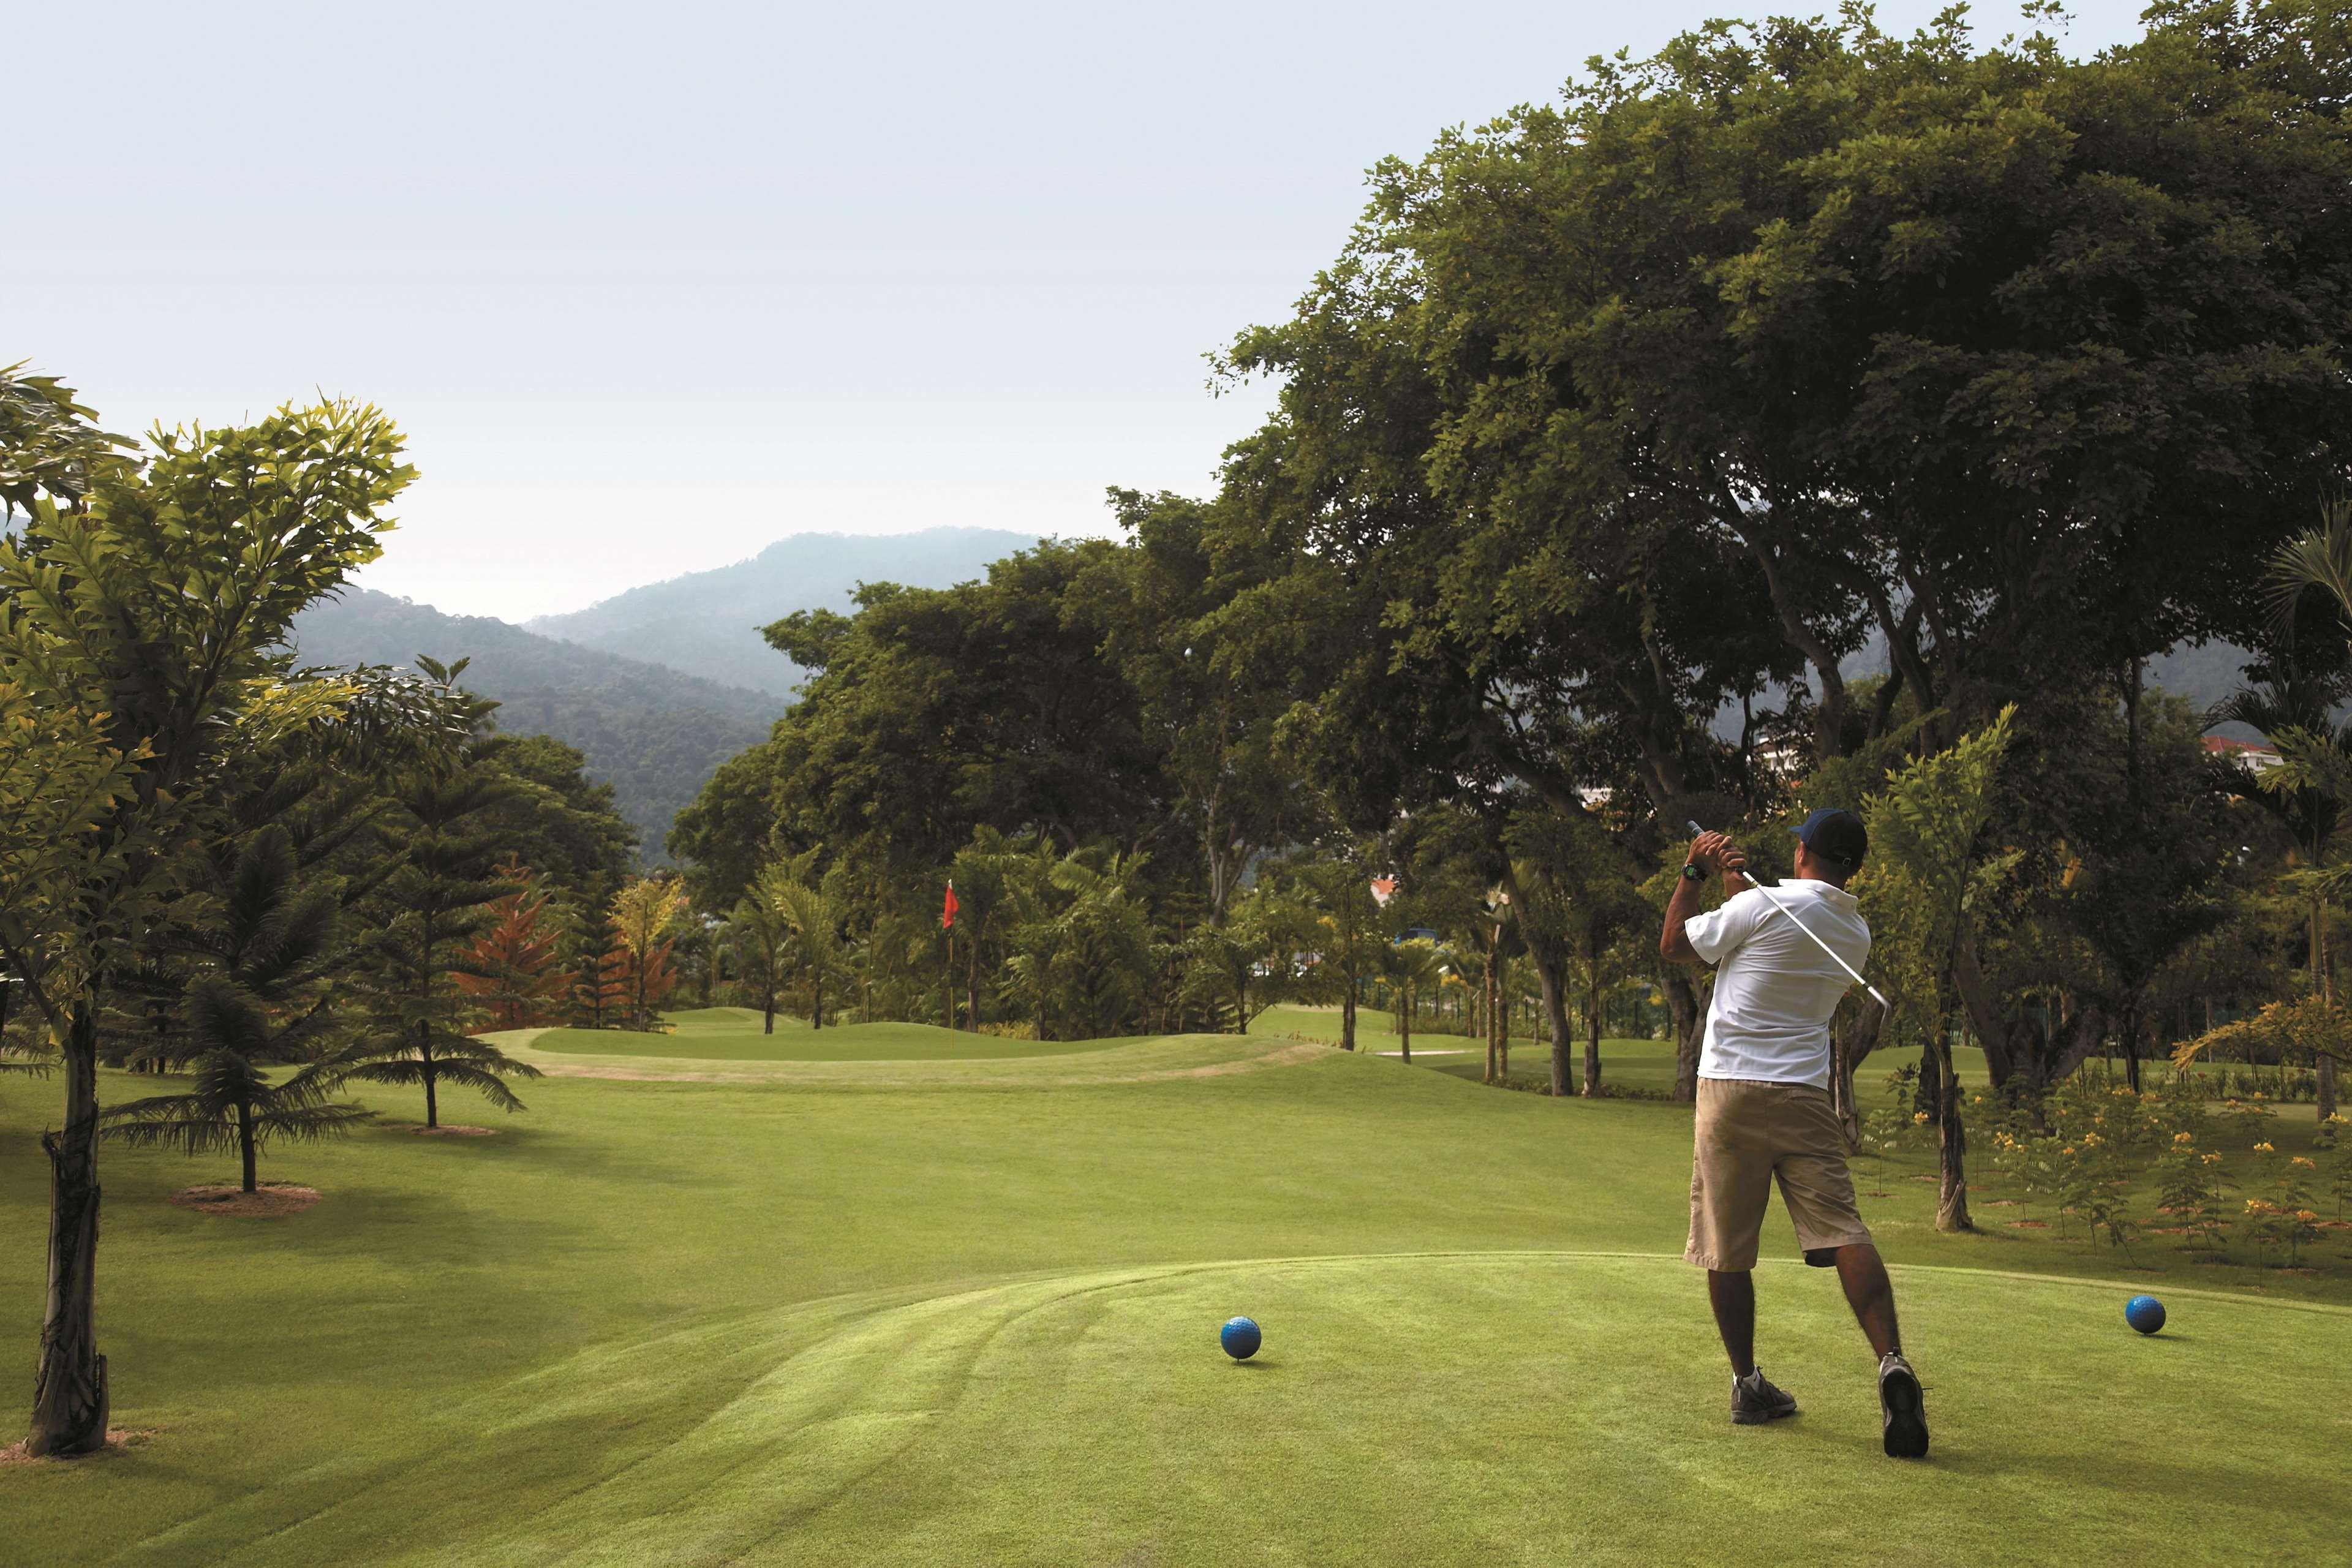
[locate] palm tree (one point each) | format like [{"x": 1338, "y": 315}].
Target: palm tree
[
  {"x": 2295, "y": 710},
  {"x": 1413, "y": 964},
  {"x": 760, "y": 938},
  {"x": 813, "y": 920},
  {"x": 260, "y": 1003}
]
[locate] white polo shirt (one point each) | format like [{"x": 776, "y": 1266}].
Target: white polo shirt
[{"x": 1769, "y": 1021}]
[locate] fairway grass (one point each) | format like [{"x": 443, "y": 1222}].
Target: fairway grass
[
  {"x": 964, "y": 1312},
  {"x": 736, "y": 1039}
]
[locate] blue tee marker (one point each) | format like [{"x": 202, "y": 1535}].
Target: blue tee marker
[
  {"x": 2145, "y": 1313},
  {"x": 1240, "y": 1337}
]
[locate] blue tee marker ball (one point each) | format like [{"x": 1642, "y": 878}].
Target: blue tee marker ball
[
  {"x": 2145, "y": 1313},
  {"x": 1240, "y": 1338}
]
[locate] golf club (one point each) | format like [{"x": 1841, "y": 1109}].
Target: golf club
[{"x": 1825, "y": 947}]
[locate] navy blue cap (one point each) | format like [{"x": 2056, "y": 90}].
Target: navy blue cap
[{"x": 1836, "y": 836}]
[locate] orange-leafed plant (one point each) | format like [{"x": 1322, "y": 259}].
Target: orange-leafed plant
[{"x": 515, "y": 969}]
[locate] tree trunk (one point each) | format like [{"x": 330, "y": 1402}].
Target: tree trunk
[
  {"x": 1592, "y": 1040},
  {"x": 816, "y": 1003},
  {"x": 1555, "y": 1017},
  {"x": 1404, "y": 1026},
  {"x": 70, "y": 1394},
  {"x": 768, "y": 1013},
  {"x": 1984, "y": 1014},
  {"x": 245, "y": 1144},
  {"x": 972, "y": 987},
  {"x": 1348, "y": 1017},
  {"x": 1502, "y": 1019},
  {"x": 1486, "y": 996},
  {"x": 1689, "y": 1013},
  {"x": 2327, "y": 995},
  {"x": 1849, "y": 1047},
  {"x": 947, "y": 987},
  {"x": 1952, "y": 1198},
  {"x": 2131, "y": 1044}
]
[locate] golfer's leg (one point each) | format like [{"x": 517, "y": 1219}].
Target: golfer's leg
[
  {"x": 1733, "y": 1296},
  {"x": 1871, "y": 1295},
  {"x": 1731, "y": 1181}
]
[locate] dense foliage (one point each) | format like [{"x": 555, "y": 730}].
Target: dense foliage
[{"x": 1613, "y": 418}]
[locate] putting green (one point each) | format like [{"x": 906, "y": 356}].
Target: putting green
[
  {"x": 964, "y": 1312},
  {"x": 892, "y": 1056}
]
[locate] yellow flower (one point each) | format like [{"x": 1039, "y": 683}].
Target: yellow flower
[
  {"x": 2213, "y": 1159},
  {"x": 2305, "y": 1216},
  {"x": 2184, "y": 1137},
  {"x": 2307, "y": 1165},
  {"x": 2259, "y": 1095},
  {"x": 1919, "y": 1116},
  {"x": 2067, "y": 1150},
  {"x": 2090, "y": 1140},
  {"x": 2264, "y": 1149}
]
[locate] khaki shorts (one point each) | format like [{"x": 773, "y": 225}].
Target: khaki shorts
[{"x": 1746, "y": 1134}]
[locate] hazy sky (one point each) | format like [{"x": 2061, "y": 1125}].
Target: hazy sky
[{"x": 650, "y": 286}]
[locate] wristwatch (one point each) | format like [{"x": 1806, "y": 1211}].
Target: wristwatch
[{"x": 1691, "y": 872}]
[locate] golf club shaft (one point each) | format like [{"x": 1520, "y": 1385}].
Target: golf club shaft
[{"x": 1801, "y": 926}]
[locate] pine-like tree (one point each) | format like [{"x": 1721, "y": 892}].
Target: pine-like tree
[
  {"x": 260, "y": 1002},
  {"x": 436, "y": 906},
  {"x": 513, "y": 968}
]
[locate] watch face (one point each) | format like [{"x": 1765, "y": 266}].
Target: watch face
[{"x": 1692, "y": 871}]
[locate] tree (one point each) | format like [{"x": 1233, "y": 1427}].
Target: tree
[
  {"x": 1415, "y": 966},
  {"x": 263, "y": 1003},
  {"x": 2310, "y": 790},
  {"x": 1256, "y": 944},
  {"x": 1333, "y": 887},
  {"x": 554, "y": 819},
  {"x": 435, "y": 906},
  {"x": 50, "y": 449},
  {"x": 812, "y": 923},
  {"x": 934, "y": 712},
  {"x": 760, "y": 940},
  {"x": 645, "y": 918},
  {"x": 1210, "y": 719},
  {"x": 1925, "y": 868},
  {"x": 514, "y": 966},
  {"x": 148, "y": 619}
]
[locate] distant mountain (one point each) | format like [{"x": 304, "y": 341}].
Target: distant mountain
[
  {"x": 653, "y": 734},
  {"x": 707, "y": 623}
]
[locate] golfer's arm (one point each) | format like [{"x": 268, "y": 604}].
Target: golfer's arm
[{"x": 1673, "y": 945}]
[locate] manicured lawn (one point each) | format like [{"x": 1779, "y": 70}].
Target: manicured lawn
[
  {"x": 733, "y": 1034},
  {"x": 964, "y": 1312}
]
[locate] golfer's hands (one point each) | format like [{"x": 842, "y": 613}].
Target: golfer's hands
[{"x": 1714, "y": 852}]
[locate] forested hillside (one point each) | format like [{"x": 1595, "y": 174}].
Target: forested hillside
[
  {"x": 707, "y": 623},
  {"x": 652, "y": 733}
]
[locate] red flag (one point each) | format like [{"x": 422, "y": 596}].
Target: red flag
[{"x": 947, "y": 919}]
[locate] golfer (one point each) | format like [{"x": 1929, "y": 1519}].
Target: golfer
[{"x": 1764, "y": 1110}]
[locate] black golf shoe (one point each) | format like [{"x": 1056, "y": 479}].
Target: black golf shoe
[
  {"x": 1754, "y": 1401},
  {"x": 1905, "y": 1410}
]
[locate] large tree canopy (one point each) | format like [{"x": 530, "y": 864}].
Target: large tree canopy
[{"x": 1800, "y": 334}]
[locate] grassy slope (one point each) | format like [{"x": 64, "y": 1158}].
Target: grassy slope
[
  {"x": 734, "y": 1035},
  {"x": 696, "y": 1322}
]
